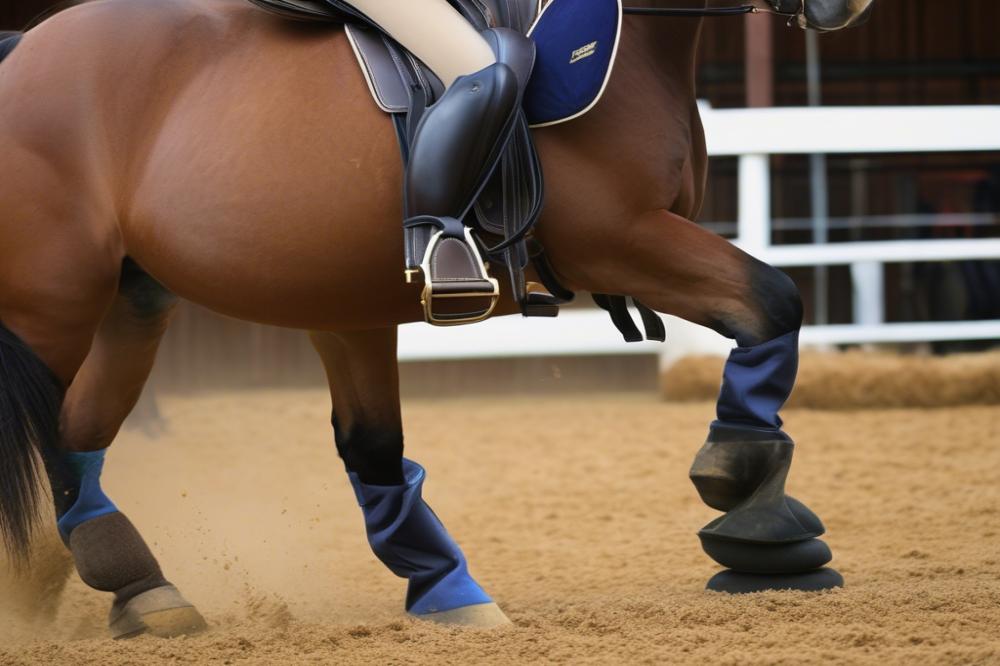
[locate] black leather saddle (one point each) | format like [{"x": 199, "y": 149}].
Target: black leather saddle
[{"x": 509, "y": 203}]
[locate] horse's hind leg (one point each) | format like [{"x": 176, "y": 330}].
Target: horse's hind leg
[
  {"x": 110, "y": 554},
  {"x": 402, "y": 530},
  {"x": 674, "y": 266}
]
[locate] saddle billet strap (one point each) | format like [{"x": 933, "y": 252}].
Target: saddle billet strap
[
  {"x": 524, "y": 172},
  {"x": 545, "y": 272},
  {"x": 617, "y": 307},
  {"x": 509, "y": 207},
  {"x": 651, "y": 322}
]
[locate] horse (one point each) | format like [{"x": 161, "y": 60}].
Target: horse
[{"x": 202, "y": 149}]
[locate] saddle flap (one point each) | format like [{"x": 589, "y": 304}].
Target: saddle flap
[
  {"x": 388, "y": 69},
  {"x": 576, "y": 43}
]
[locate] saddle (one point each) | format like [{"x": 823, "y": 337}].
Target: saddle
[{"x": 450, "y": 254}]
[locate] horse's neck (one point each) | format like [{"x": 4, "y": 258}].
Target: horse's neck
[
  {"x": 663, "y": 48},
  {"x": 650, "y": 112}
]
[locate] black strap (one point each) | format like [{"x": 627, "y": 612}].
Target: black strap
[
  {"x": 651, "y": 322},
  {"x": 685, "y": 12},
  {"x": 545, "y": 273},
  {"x": 618, "y": 309},
  {"x": 515, "y": 234}
]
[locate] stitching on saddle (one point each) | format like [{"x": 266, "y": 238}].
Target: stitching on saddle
[
  {"x": 418, "y": 70},
  {"x": 395, "y": 58}
]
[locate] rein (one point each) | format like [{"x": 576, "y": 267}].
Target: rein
[
  {"x": 778, "y": 7},
  {"x": 690, "y": 12}
]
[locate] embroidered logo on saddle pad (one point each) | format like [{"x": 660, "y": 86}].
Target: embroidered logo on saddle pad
[
  {"x": 564, "y": 88},
  {"x": 582, "y": 52}
]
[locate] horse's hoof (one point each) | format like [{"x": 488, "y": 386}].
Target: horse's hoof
[
  {"x": 735, "y": 582},
  {"x": 776, "y": 558},
  {"x": 483, "y": 616},
  {"x": 160, "y": 612}
]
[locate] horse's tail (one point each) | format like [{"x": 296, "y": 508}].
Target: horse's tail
[
  {"x": 8, "y": 40},
  {"x": 30, "y": 400}
]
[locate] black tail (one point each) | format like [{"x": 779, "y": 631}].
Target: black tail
[
  {"x": 30, "y": 399},
  {"x": 8, "y": 40}
]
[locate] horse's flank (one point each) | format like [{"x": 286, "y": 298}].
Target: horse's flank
[{"x": 238, "y": 159}]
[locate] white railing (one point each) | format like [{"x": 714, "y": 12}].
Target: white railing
[{"x": 753, "y": 135}]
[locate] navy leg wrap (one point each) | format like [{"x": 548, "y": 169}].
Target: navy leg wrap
[
  {"x": 409, "y": 539},
  {"x": 84, "y": 470},
  {"x": 757, "y": 381}
]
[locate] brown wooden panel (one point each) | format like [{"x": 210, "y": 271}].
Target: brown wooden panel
[{"x": 911, "y": 52}]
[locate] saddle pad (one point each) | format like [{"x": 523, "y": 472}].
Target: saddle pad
[{"x": 576, "y": 42}]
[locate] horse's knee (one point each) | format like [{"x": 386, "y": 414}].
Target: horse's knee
[{"x": 374, "y": 454}]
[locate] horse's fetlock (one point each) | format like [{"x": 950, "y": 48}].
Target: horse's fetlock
[{"x": 375, "y": 454}]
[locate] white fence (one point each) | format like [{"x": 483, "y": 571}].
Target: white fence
[{"x": 753, "y": 135}]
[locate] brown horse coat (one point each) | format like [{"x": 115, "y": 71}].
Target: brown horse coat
[{"x": 237, "y": 158}]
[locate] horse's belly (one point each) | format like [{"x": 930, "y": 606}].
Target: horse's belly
[{"x": 277, "y": 198}]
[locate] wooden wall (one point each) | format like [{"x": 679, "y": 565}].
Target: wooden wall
[{"x": 911, "y": 52}]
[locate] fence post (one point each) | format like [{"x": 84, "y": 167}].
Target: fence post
[
  {"x": 754, "y": 224},
  {"x": 867, "y": 280}
]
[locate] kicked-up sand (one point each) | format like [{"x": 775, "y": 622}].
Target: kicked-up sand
[{"x": 575, "y": 513}]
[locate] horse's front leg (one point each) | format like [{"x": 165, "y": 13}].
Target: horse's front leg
[
  {"x": 676, "y": 267},
  {"x": 403, "y": 531}
]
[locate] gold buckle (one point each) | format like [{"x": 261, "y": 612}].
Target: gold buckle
[{"x": 427, "y": 295}]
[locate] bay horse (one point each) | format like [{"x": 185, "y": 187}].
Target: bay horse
[{"x": 202, "y": 149}]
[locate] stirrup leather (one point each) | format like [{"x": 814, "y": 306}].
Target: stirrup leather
[{"x": 457, "y": 287}]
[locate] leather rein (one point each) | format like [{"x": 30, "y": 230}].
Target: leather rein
[{"x": 778, "y": 7}]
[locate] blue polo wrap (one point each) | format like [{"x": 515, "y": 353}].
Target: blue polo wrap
[
  {"x": 91, "y": 501},
  {"x": 757, "y": 381},
  {"x": 409, "y": 539}
]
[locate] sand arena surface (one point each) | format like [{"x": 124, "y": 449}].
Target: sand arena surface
[{"x": 576, "y": 515}]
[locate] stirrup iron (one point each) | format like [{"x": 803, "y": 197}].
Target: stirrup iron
[{"x": 457, "y": 286}]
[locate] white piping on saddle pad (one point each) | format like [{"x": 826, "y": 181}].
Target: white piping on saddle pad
[{"x": 607, "y": 75}]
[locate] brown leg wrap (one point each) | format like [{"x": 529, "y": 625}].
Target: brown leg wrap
[{"x": 111, "y": 556}]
